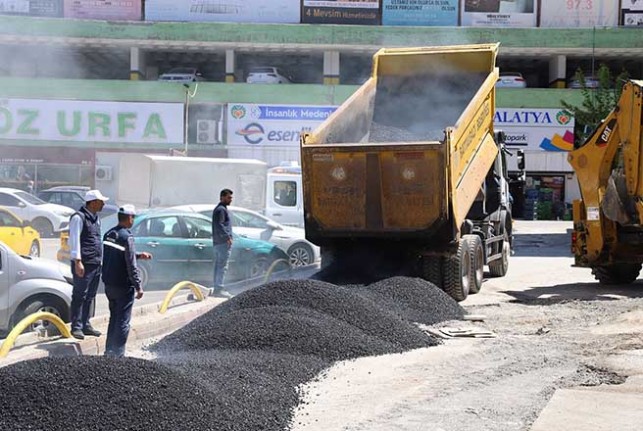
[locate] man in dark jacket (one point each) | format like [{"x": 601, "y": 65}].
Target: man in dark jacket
[
  {"x": 121, "y": 278},
  {"x": 86, "y": 252},
  {"x": 222, "y": 241}
]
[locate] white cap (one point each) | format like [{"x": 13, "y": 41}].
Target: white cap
[
  {"x": 127, "y": 210},
  {"x": 93, "y": 195}
]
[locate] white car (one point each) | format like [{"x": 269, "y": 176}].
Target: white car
[
  {"x": 511, "y": 80},
  {"x": 29, "y": 285},
  {"x": 267, "y": 75},
  {"x": 46, "y": 218},
  {"x": 253, "y": 225},
  {"x": 182, "y": 75}
]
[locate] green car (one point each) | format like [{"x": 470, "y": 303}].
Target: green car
[{"x": 181, "y": 245}]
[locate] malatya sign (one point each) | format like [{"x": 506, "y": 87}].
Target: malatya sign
[{"x": 88, "y": 121}]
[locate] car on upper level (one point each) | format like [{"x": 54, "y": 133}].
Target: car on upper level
[
  {"x": 18, "y": 234},
  {"x": 590, "y": 82},
  {"x": 511, "y": 80},
  {"x": 46, "y": 218},
  {"x": 182, "y": 75},
  {"x": 29, "y": 285},
  {"x": 268, "y": 75},
  {"x": 74, "y": 198}
]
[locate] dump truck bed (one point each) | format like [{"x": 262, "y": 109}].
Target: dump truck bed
[{"x": 408, "y": 152}]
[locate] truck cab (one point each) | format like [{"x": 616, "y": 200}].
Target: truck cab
[{"x": 284, "y": 195}]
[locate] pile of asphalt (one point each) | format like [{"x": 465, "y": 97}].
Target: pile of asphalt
[
  {"x": 414, "y": 300},
  {"x": 99, "y": 393},
  {"x": 263, "y": 386}
]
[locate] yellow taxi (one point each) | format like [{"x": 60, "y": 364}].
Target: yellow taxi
[{"x": 18, "y": 234}]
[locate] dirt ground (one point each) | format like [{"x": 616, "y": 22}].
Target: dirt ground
[{"x": 555, "y": 326}]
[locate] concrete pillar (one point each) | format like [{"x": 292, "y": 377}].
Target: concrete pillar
[
  {"x": 229, "y": 65},
  {"x": 331, "y": 67},
  {"x": 137, "y": 64},
  {"x": 557, "y": 71}
]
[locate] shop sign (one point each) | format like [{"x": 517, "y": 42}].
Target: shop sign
[
  {"x": 113, "y": 10},
  {"x": 270, "y": 132},
  {"x": 44, "y": 8},
  {"x": 536, "y": 129},
  {"x": 420, "y": 12},
  {"x": 497, "y": 13},
  {"x": 254, "y": 11},
  {"x": 91, "y": 121},
  {"x": 579, "y": 13},
  {"x": 365, "y": 12},
  {"x": 632, "y": 13}
]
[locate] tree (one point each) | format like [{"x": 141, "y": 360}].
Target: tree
[{"x": 598, "y": 101}]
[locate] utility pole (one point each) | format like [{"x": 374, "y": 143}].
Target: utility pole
[{"x": 186, "y": 108}]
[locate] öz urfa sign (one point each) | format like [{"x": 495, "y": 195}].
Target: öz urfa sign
[{"x": 88, "y": 121}]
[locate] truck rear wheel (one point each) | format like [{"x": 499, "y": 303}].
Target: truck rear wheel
[
  {"x": 499, "y": 267},
  {"x": 458, "y": 272},
  {"x": 432, "y": 270},
  {"x": 618, "y": 273},
  {"x": 477, "y": 258}
]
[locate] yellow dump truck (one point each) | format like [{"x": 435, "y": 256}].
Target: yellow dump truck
[
  {"x": 407, "y": 175},
  {"x": 608, "y": 219}
]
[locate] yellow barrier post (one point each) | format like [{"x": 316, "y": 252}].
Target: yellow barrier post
[
  {"x": 178, "y": 286},
  {"x": 24, "y": 324}
]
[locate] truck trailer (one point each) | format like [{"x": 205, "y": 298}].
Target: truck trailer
[
  {"x": 408, "y": 176},
  {"x": 608, "y": 219}
]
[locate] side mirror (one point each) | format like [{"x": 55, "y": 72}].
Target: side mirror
[
  {"x": 22, "y": 204},
  {"x": 273, "y": 225},
  {"x": 520, "y": 154}
]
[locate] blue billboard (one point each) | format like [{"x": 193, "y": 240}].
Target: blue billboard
[{"x": 420, "y": 12}]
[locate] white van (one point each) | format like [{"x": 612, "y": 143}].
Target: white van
[{"x": 284, "y": 196}]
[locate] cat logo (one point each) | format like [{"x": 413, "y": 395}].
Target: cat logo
[{"x": 606, "y": 133}]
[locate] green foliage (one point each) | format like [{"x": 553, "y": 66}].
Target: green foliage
[{"x": 597, "y": 102}]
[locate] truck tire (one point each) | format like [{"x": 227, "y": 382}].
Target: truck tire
[
  {"x": 477, "y": 255},
  {"x": 432, "y": 270},
  {"x": 618, "y": 273},
  {"x": 499, "y": 267},
  {"x": 458, "y": 272}
]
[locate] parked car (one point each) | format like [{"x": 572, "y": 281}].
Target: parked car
[
  {"x": 182, "y": 75},
  {"x": 251, "y": 224},
  {"x": 268, "y": 75},
  {"x": 46, "y": 218},
  {"x": 74, "y": 198},
  {"x": 511, "y": 80},
  {"x": 18, "y": 234},
  {"x": 181, "y": 245},
  {"x": 30, "y": 285},
  {"x": 590, "y": 82}
]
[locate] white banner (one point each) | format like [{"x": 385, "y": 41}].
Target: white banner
[
  {"x": 536, "y": 129},
  {"x": 632, "y": 5},
  {"x": 89, "y": 121},
  {"x": 499, "y": 13},
  {"x": 273, "y": 11},
  {"x": 270, "y": 132},
  {"x": 579, "y": 13}
]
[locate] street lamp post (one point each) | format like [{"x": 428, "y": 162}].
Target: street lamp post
[{"x": 188, "y": 96}]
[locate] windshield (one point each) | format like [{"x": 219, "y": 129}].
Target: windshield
[{"x": 30, "y": 198}]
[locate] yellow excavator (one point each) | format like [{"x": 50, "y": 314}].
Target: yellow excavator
[{"x": 608, "y": 219}]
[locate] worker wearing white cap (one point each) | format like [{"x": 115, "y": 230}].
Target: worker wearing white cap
[
  {"x": 121, "y": 278},
  {"x": 86, "y": 253}
]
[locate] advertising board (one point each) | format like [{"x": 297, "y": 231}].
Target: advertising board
[
  {"x": 420, "y": 12},
  {"x": 253, "y": 11},
  {"x": 270, "y": 132},
  {"x": 44, "y": 8},
  {"x": 579, "y": 13},
  {"x": 366, "y": 12},
  {"x": 536, "y": 129},
  {"x": 113, "y": 10},
  {"x": 632, "y": 13},
  {"x": 91, "y": 121},
  {"x": 499, "y": 13}
]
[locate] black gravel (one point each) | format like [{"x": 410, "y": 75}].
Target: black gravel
[
  {"x": 414, "y": 300},
  {"x": 99, "y": 393}
]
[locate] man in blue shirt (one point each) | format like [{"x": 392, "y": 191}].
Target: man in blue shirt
[
  {"x": 86, "y": 253},
  {"x": 121, "y": 278},
  {"x": 222, "y": 241}
]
